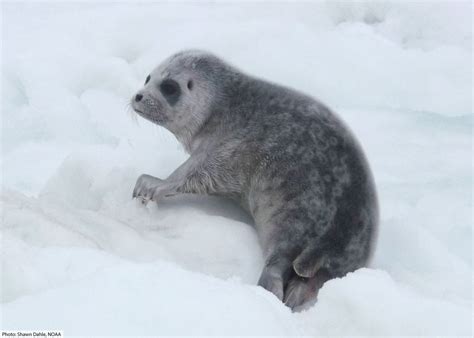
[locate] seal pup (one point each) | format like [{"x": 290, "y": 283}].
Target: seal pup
[{"x": 284, "y": 156}]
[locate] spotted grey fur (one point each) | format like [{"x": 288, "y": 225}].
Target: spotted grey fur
[{"x": 284, "y": 156}]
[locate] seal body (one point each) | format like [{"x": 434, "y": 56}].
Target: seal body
[{"x": 284, "y": 156}]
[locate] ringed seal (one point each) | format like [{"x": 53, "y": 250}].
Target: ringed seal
[{"x": 282, "y": 155}]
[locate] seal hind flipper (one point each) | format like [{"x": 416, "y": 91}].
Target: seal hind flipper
[
  {"x": 302, "y": 290},
  {"x": 275, "y": 275},
  {"x": 272, "y": 282},
  {"x": 309, "y": 261}
]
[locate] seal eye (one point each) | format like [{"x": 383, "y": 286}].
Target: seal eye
[
  {"x": 170, "y": 90},
  {"x": 169, "y": 87},
  {"x": 147, "y": 79},
  {"x": 190, "y": 84}
]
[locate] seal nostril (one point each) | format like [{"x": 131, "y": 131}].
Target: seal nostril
[{"x": 138, "y": 97}]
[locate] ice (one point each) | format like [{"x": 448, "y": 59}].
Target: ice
[{"x": 79, "y": 255}]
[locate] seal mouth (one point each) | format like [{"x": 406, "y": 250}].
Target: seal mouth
[{"x": 148, "y": 117}]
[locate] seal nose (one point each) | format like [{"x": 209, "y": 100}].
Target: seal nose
[{"x": 138, "y": 97}]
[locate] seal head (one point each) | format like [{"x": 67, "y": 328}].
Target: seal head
[{"x": 178, "y": 93}]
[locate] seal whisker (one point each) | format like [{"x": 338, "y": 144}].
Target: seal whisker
[{"x": 129, "y": 110}]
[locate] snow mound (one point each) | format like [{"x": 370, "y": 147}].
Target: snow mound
[{"x": 77, "y": 249}]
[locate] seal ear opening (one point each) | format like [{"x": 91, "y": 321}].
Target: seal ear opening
[{"x": 190, "y": 84}]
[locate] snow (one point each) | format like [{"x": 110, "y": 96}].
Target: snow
[{"x": 79, "y": 255}]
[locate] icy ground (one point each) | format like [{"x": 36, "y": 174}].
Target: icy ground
[{"x": 79, "y": 255}]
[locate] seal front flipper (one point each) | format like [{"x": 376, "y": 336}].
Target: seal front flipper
[
  {"x": 145, "y": 187},
  {"x": 195, "y": 176}
]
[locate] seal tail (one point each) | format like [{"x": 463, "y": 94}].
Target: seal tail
[{"x": 309, "y": 261}]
